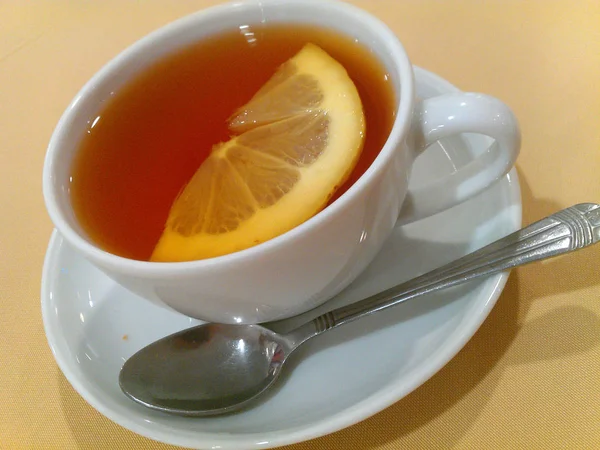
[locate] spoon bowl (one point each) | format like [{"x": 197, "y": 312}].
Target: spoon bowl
[{"x": 206, "y": 370}]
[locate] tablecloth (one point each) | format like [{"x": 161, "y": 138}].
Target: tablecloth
[{"x": 528, "y": 379}]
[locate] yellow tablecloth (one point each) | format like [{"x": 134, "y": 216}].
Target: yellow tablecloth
[{"x": 530, "y": 378}]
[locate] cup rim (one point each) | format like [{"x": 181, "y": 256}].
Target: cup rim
[{"x": 391, "y": 45}]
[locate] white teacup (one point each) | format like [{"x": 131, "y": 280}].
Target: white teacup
[{"x": 306, "y": 266}]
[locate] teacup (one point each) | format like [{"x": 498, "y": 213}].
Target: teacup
[{"x": 306, "y": 266}]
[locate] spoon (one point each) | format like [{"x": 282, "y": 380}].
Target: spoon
[{"x": 214, "y": 369}]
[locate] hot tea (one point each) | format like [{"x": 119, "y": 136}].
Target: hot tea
[{"x": 150, "y": 138}]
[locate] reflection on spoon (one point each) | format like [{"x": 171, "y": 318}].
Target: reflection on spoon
[{"x": 215, "y": 369}]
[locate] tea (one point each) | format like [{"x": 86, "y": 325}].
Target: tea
[{"x": 152, "y": 135}]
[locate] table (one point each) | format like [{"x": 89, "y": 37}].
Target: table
[{"x": 529, "y": 377}]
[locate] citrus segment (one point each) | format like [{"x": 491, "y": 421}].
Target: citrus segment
[{"x": 295, "y": 142}]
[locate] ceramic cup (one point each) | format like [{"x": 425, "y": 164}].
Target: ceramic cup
[{"x": 306, "y": 266}]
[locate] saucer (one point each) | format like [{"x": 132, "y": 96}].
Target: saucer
[{"x": 93, "y": 325}]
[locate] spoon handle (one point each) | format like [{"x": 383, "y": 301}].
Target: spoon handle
[{"x": 565, "y": 231}]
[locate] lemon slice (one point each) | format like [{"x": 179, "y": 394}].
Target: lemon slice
[{"x": 296, "y": 141}]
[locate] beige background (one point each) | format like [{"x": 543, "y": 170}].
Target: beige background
[{"x": 530, "y": 376}]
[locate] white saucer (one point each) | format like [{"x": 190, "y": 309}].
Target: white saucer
[{"x": 338, "y": 379}]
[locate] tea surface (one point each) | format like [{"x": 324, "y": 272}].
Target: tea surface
[{"x": 152, "y": 135}]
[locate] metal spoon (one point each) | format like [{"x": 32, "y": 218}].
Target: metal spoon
[{"x": 215, "y": 369}]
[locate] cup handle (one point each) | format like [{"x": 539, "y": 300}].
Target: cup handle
[{"x": 450, "y": 114}]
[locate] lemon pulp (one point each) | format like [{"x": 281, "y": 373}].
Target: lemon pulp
[{"x": 296, "y": 141}]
